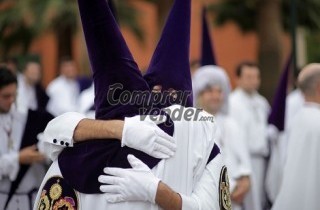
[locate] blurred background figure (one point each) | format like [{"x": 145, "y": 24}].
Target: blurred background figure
[
  {"x": 211, "y": 91},
  {"x": 86, "y": 102},
  {"x": 20, "y": 171},
  {"x": 31, "y": 94},
  {"x": 64, "y": 91},
  {"x": 295, "y": 101},
  {"x": 12, "y": 64},
  {"x": 251, "y": 110},
  {"x": 299, "y": 189},
  {"x": 284, "y": 107}
]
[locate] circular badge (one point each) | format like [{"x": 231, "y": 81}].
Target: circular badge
[
  {"x": 224, "y": 190},
  {"x": 55, "y": 191}
]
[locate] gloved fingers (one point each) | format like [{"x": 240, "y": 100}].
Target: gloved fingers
[
  {"x": 114, "y": 171},
  {"x": 114, "y": 198},
  {"x": 164, "y": 135},
  {"x": 159, "y": 155},
  {"x": 111, "y": 180},
  {"x": 136, "y": 163},
  {"x": 112, "y": 189},
  {"x": 156, "y": 119},
  {"x": 164, "y": 142},
  {"x": 163, "y": 149}
]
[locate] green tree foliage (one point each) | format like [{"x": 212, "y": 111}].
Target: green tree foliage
[
  {"x": 269, "y": 18},
  {"x": 21, "y": 21},
  {"x": 245, "y": 13}
]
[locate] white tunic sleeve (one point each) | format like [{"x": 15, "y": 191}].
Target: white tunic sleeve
[
  {"x": 9, "y": 165},
  {"x": 235, "y": 138},
  {"x": 63, "y": 95},
  {"x": 59, "y": 134},
  {"x": 300, "y": 184},
  {"x": 206, "y": 192}
]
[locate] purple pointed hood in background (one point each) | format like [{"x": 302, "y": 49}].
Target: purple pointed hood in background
[
  {"x": 277, "y": 115},
  {"x": 207, "y": 52}
]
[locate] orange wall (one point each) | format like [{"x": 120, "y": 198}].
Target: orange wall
[
  {"x": 46, "y": 47},
  {"x": 230, "y": 44}
]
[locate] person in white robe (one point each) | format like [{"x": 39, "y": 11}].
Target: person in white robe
[
  {"x": 64, "y": 91},
  {"x": 31, "y": 95},
  {"x": 12, "y": 125},
  {"x": 212, "y": 87},
  {"x": 251, "y": 111},
  {"x": 300, "y": 186},
  {"x": 26, "y": 98},
  {"x": 294, "y": 103},
  {"x": 195, "y": 180},
  {"x": 86, "y": 102},
  {"x": 191, "y": 168},
  {"x": 279, "y": 144}
]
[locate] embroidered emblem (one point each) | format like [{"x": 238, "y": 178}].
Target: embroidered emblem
[
  {"x": 57, "y": 195},
  {"x": 55, "y": 191},
  {"x": 44, "y": 203},
  {"x": 224, "y": 190},
  {"x": 64, "y": 203}
]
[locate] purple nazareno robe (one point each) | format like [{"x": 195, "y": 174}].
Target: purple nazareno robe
[{"x": 112, "y": 64}]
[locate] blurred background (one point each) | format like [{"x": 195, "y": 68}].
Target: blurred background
[{"x": 263, "y": 31}]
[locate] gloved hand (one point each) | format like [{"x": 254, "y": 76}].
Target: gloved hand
[
  {"x": 147, "y": 137},
  {"x": 135, "y": 184}
]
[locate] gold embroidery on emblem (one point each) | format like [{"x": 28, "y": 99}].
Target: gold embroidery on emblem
[
  {"x": 44, "y": 203},
  {"x": 224, "y": 190},
  {"x": 55, "y": 192},
  {"x": 53, "y": 196},
  {"x": 63, "y": 204}
]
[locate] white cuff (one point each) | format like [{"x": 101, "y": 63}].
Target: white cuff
[
  {"x": 242, "y": 172},
  {"x": 60, "y": 130},
  {"x": 189, "y": 203},
  {"x": 52, "y": 151},
  {"x": 59, "y": 134}
]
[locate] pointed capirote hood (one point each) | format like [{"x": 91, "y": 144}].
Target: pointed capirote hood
[
  {"x": 113, "y": 9},
  {"x": 111, "y": 61},
  {"x": 207, "y": 52},
  {"x": 112, "y": 64},
  {"x": 277, "y": 115},
  {"x": 170, "y": 66}
]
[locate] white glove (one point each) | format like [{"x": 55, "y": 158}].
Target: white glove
[
  {"x": 135, "y": 184},
  {"x": 147, "y": 137}
]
